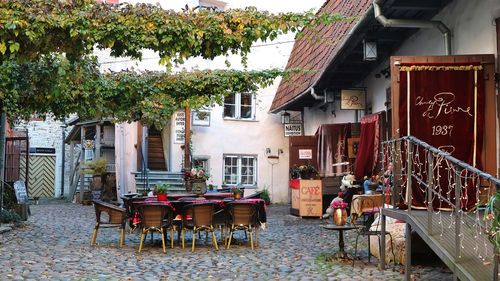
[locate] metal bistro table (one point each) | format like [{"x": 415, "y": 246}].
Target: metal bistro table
[{"x": 341, "y": 254}]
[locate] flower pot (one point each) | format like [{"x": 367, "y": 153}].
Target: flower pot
[
  {"x": 200, "y": 187},
  {"x": 189, "y": 186},
  {"x": 339, "y": 216},
  {"x": 237, "y": 196},
  {"x": 162, "y": 197}
]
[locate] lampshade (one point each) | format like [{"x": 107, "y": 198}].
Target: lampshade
[
  {"x": 285, "y": 118},
  {"x": 369, "y": 50}
]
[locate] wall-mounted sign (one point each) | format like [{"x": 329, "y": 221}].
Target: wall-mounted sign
[
  {"x": 305, "y": 154},
  {"x": 201, "y": 118},
  {"x": 353, "y": 99},
  {"x": 179, "y": 126},
  {"x": 293, "y": 130},
  {"x": 45, "y": 150}
]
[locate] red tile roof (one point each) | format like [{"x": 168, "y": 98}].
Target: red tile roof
[{"x": 314, "y": 51}]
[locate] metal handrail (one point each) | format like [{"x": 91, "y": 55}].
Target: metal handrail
[
  {"x": 144, "y": 169},
  {"x": 459, "y": 167}
]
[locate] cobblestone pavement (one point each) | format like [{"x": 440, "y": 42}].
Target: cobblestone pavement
[{"x": 54, "y": 244}]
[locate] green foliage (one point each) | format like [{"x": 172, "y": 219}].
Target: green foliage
[
  {"x": 30, "y": 29},
  {"x": 46, "y": 68},
  {"x": 492, "y": 214},
  {"x": 9, "y": 216},
  {"x": 265, "y": 196},
  {"x": 161, "y": 189},
  {"x": 95, "y": 168}
]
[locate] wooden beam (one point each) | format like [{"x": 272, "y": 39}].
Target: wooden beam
[
  {"x": 82, "y": 177},
  {"x": 97, "y": 155},
  {"x": 187, "y": 140}
]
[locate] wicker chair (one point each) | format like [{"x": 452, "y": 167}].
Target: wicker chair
[
  {"x": 242, "y": 216},
  {"x": 202, "y": 218},
  {"x": 117, "y": 218},
  {"x": 367, "y": 207},
  {"x": 156, "y": 218}
]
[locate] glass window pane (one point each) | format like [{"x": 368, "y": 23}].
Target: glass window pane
[
  {"x": 246, "y": 99},
  {"x": 229, "y": 111},
  {"x": 246, "y": 112},
  {"x": 231, "y": 99}
]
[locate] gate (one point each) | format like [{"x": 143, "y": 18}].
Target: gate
[
  {"x": 41, "y": 175},
  {"x": 16, "y": 151}
]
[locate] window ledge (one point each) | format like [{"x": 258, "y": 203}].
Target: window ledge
[{"x": 244, "y": 120}]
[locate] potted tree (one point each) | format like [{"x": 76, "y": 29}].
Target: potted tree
[
  {"x": 161, "y": 192},
  {"x": 98, "y": 170}
]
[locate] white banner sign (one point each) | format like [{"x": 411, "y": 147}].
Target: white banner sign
[
  {"x": 293, "y": 130},
  {"x": 305, "y": 154},
  {"x": 179, "y": 126}
]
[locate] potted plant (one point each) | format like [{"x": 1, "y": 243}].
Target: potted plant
[
  {"x": 97, "y": 169},
  {"x": 305, "y": 172},
  {"x": 161, "y": 192},
  {"x": 196, "y": 180},
  {"x": 236, "y": 192},
  {"x": 265, "y": 196},
  {"x": 339, "y": 212}
]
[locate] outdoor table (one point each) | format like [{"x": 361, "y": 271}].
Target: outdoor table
[
  {"x": 341, "y": 254},
  {"x": 131, "y": 204}
]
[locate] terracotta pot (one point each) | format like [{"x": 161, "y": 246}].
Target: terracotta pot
[
  {"x": 237, "y": 196},
  {"x": 162, "y": 197},
  {"x": 339, "y": 216}
]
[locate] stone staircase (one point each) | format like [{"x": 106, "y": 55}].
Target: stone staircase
[{"x": 174, "y": 179}]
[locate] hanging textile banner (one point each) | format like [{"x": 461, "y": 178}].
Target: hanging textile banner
[
  {"x": 368, "y": 146},
  {"x": 443, "y": 105},
  {"x": 332, "y": 148}
]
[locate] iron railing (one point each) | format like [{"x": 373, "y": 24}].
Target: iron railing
[{"x": 435, "y": 174}]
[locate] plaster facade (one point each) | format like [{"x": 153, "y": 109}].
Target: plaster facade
[{"x": 223, "y": 136}]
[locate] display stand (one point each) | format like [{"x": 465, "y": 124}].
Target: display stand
[{"x": 307, "y": 198}]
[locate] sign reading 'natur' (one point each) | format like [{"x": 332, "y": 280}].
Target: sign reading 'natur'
[
  {"x": 293, "y": 130},
  {"x": 179, "y": 126}
]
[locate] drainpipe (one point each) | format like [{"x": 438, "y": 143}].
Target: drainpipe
[
  {"x": 63, "y": 152},
  {"x": 406, "y": 23},
  {"x": 122, "y": 161},
  {"x": 316, "y": 96}
]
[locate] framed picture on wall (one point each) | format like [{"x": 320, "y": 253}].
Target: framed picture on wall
[{"x": 201, "y": 118}]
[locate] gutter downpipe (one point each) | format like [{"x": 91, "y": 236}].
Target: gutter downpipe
[
  {"x": 122, "y": 161},
  {"x": 406, "y": 23},
  {"x": 353, "y": 30}
]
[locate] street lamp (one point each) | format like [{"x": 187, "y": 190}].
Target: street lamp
[
  {"x": 369, "y": 50},
  {"x": 285, "y": 118}
]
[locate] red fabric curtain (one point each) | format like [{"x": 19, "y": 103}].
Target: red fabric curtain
[
  {"x": 442, "y": 112},
  {"x": 366, "y": 158},
  {"x": 332, "y": 147}
]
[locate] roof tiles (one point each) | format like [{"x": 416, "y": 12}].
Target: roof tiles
[{"x": 313, "y": 51}]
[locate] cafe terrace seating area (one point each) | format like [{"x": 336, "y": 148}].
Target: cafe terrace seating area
[{"x": 172, "y": 220}]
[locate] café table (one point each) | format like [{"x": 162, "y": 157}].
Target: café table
[{"x": 341, "y": 254}]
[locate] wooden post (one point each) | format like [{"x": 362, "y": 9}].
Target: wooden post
[
  {"x": 430, "y": 188},
  {"x": 408, "y": 253},
  {"x": 97, "y": 155},
  {"x": 382, "y": 243},
  {"x": 395, "y": 181},
  {"x": 82, "y": 176},
  {"x": 71, "y": 155},
  {"x": 187, "y": 140}
]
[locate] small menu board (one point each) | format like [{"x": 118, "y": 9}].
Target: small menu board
[{"x": 21, "y": 193}]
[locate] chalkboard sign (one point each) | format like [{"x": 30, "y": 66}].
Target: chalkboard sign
[{"x": 21, "y": 194}]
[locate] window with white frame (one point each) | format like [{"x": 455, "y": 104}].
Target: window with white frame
[
  {"x": 239, "y": 106},
  {"x": 240, "y": 169},
  {"x": 201, "y": 162},
  {"x": 212, "y": 4}
]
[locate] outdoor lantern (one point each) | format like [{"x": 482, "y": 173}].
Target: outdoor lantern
[
  {"x": 285, "y": 118},
  {"x": 369, "y": 50}
]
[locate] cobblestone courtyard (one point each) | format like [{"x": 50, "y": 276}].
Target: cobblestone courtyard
[{"x": 54, "y": 244}]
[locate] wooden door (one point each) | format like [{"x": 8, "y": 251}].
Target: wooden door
[
  {"x": 489, "y": 151},
  {"x": 301, "y": 147}
]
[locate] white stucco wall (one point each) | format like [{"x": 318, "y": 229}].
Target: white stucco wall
[
  {"x": 224, "y": 136},
  {"x": 48, "y": 134}
]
